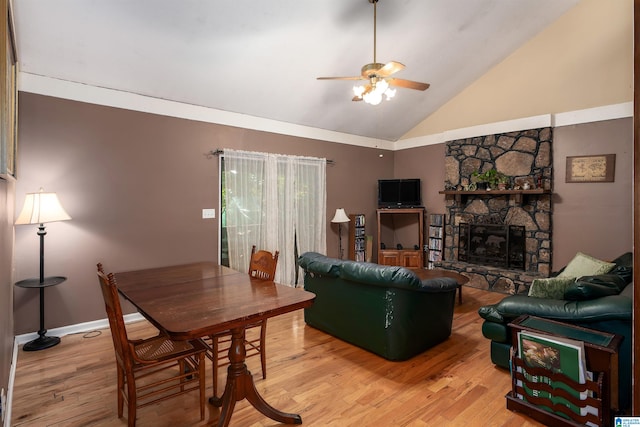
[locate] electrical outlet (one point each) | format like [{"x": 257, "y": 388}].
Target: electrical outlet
[{"x": 208, "y": 213}]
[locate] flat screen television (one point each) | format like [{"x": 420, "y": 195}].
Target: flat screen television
[{"x": 399, "y": 193}]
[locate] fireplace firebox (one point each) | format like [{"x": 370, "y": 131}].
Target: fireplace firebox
[{"x": 496, "y": 245}]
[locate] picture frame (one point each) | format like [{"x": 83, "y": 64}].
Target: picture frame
[
  {"x": 9, "y": 100},
  {"x": 592, "y": 168}
]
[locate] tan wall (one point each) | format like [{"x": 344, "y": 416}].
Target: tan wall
[
  {"x": 583, "y": 60},
  {"x": 135, "y": 185},
  {"x": 595, "y": 218}
]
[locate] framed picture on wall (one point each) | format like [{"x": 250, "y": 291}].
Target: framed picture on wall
[
  {"x": 596, "y": 168},
  {"x": 9, "y": 100}
]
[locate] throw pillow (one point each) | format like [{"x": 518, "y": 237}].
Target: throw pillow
[
  {"x": 585, "y": 265},
  {"x": 550, "y": 288}
]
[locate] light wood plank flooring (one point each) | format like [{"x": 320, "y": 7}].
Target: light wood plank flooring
[{"x": 327, "y": 381}]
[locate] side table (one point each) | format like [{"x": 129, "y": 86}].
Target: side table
[
  {"x": 42, "y": 341},
  {"x": 601, "y": 354},
  {"x": 423, "y": 274}
]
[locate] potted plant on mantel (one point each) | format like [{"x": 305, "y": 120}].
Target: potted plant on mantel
[
  {"x": 503, "y": 181},
  {"x": 492, "y": 179}
]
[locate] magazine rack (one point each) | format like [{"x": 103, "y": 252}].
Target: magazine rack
[
  {"x": 601, "y": 354},
  {"x": 532, "y": 406}
]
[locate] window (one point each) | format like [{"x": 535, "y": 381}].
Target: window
[{"x": 275, "y": 202}]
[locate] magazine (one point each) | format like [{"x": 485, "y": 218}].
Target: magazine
[{"x": 559, "y": 355}]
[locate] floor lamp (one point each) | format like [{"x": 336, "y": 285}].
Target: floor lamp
[
  {"x": 340, "y": 218},
  {"x": 40, "y": 208}
]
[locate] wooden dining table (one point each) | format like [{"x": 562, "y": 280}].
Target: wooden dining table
[{"x": 196, "y": 300}]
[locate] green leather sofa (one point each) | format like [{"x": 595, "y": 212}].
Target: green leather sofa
[
  {"x": 386, "y": 310},
  {"x": 604, "y": 303}
]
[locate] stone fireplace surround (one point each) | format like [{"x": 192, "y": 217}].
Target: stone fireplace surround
[{"x": 523, "y": 156}]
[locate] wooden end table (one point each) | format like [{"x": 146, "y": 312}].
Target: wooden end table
[
  {"x": 601, "y": 354},
  {"x": 424, "y": 274}
]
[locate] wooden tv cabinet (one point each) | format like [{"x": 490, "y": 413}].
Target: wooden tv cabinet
[{"x": 408, "y": 256}]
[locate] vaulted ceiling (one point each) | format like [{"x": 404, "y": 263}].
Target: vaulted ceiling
[{"x": 261, "y": 58}]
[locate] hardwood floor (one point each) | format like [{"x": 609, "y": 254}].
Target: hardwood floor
[{"x": 327, "y": 381}]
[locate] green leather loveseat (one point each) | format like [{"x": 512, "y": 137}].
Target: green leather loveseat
[
  {"x": 602, "y": 302},
  {"x": 386, "y": 310}
]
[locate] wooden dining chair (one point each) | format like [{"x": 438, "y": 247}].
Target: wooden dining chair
[
  {"x": 262, "y": 265},
  {"x": 154, "y": 369}
]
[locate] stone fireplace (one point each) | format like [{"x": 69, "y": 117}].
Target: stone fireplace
[{"x": 501, "y": 240}]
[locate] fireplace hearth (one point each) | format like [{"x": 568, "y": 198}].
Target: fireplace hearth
[{"x": 496, "y": 245}]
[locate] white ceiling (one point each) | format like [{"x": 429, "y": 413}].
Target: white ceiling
[{"x": 261, "y": 58}]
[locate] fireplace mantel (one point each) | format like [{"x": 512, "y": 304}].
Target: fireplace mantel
[{"x": 460, "y": 195}]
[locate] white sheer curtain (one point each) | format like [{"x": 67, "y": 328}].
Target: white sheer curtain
[{"x": 273, "y": 201}]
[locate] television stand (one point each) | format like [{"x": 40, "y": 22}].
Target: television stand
[
  {"x": 401, "y": 207},
  {"x": 403, "y": 226}
]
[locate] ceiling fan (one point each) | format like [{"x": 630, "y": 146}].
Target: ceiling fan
[{"x": 378, "y": 76}]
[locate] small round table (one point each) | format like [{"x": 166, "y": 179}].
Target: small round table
[
  {"x": 42, "y": 341},
  {"x": 424, "y": 273}
]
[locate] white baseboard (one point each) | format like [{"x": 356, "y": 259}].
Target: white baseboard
[
  {"x": 56, "y": 332},
  {"x": 12, "y": 376},
  {"x": 79, "y": 327}
]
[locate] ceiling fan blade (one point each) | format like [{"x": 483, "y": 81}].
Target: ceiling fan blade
[
  {"x": 340, "y": 78},
  {"x": 390, "y": 68},
  {"x": 357, "y": 98},
  {"x": 408, "y": 84}
]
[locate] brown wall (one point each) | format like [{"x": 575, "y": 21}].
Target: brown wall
[
  {"x": 426, "y": 163},
  {"x": 7, "y": 190},
  {"x": 135, "y": 185},
  {"x": 594, "y": 218}
]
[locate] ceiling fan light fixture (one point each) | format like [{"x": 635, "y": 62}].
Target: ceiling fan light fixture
[
  {"x": 381, "y": 85},
  {"x": 390, "y": 93},
  {"x": 374, "y": 97},
  {"x": 377, "y": 73},
  {"x": 378, "y": 89}
]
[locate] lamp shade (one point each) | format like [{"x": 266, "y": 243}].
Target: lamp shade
[
  {"x": 340, "y": 216},
  {"x": 41, "y": 207}
]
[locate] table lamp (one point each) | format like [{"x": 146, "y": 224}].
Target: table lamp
[
  {"x": 40, "y": 208},
  {"x": 340, "y": 217}
]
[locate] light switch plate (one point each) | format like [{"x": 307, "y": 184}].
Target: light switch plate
[{"x": 208, "y": 213}]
